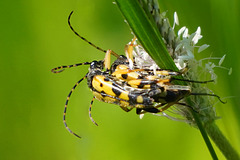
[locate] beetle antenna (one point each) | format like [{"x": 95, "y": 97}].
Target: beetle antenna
[{"x": 103, "y": 50}]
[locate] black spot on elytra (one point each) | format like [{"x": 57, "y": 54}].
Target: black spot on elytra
[
  {"x": 140, "y": 77},
  {"x": 132, "y": 98},
  {"x": 106, "y": 79},
  {"x": 116, "y": 90},
  {"x": 141, "y": 85},
  {"x": 103, "y": 94},
  {"x": 124, "y": 76}
]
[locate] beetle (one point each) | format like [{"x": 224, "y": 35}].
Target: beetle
[{"x": 128, "y": 86}]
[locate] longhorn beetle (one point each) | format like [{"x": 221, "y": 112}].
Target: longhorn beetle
[{"x": 124, "y": 84}]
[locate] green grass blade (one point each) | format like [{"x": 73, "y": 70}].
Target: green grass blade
[
  {"x": 146, "y": 32},
  {"x": 150, "y": 38},
  {"x": 204, "y": 134}
]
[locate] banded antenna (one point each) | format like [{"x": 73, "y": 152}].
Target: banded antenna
[{"x": 98, "y": 48}]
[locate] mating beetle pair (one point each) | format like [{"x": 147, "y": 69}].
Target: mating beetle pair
[{"x": 128, "y": 86}]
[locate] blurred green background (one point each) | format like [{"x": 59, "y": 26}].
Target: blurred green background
[{"x": 36, "y": 38}]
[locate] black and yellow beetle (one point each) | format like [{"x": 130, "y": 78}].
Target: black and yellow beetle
[
  {"x": 103, "y": 85},
  {"x": 141, "y": 88}
]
